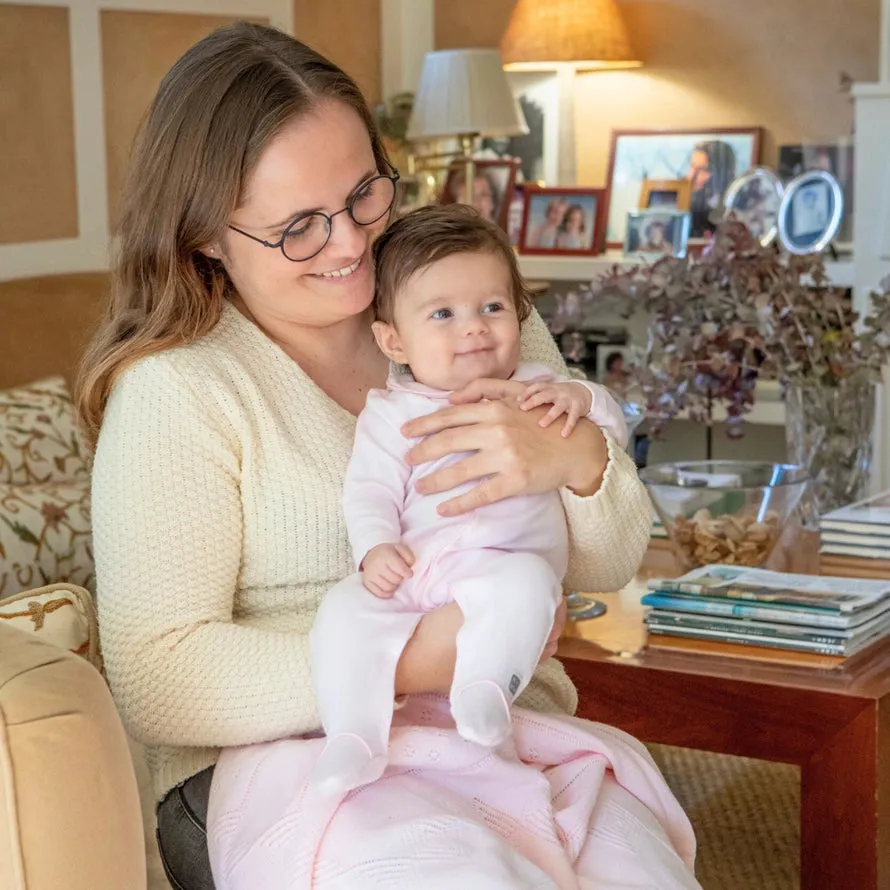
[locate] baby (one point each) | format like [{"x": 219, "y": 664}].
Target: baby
[{"x": 449, "y": 304}]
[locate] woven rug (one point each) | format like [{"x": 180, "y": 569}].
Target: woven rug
[{"x": 746, "y": 817}]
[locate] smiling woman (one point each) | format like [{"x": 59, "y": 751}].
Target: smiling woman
[{"x": 223, "y": 390}]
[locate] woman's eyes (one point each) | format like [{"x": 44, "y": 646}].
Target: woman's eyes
[{"x": 302, "y": 227}]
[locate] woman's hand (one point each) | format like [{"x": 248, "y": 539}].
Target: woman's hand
[
  {"x": 427, "y": 661},
  {"x": 509, "y": 449}
]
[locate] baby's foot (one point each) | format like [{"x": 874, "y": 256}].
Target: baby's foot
[
  {"x": 346, "y": 763},
  {"x": 481, "y": 713}
]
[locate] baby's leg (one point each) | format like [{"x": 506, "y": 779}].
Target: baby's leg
[
  {"x": 355, "y": 644},
  {"x": 509, "y": 601}
]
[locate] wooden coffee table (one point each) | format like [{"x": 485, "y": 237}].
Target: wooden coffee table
[{"x": 833, "y": 724}]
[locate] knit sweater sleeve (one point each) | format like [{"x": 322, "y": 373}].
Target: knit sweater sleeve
[
  {"x": 609, "y": 531},
  {"x": 167, "y": 524}
]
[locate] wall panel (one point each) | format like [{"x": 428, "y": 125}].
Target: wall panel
[{"x": 38, "y": 182}]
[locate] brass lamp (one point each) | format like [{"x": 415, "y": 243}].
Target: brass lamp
[{"x": 464, "y": 93}]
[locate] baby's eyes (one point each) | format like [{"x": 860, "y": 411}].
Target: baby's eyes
[
  {"x": 442, "y": 313},
  {"x": 493, "y": 307}
]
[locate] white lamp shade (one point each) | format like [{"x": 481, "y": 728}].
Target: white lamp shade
[{"x": 463, "y": 92}]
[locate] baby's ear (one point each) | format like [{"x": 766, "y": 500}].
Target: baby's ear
[{"x": 389, "y": 341}]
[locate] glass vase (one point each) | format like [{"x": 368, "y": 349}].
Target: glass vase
[{"x": 828, "y": 429}]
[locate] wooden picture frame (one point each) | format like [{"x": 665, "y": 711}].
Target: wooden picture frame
[
  {"x": 498, "y": 181},
  {"x": 653, "y": 189},
  {"x": 549, "y": 219},
  {"x": 658, "y": 154}
]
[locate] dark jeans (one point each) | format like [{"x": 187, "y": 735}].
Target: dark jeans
[{"x": 182, "y": 833}]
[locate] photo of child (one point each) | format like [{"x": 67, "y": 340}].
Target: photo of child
[
  {"x": 560, "y": 221},
  {"x": 657, "y": 233}
]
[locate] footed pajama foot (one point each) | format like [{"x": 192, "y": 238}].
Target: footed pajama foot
[
  {"x": 481, "y": 713},
  {"x": 346, "y": 763}
]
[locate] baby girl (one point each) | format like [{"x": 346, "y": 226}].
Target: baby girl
[{"x": 449, "y": 305}]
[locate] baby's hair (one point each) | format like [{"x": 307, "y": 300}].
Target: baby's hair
[{"x": 429, "y": 234}]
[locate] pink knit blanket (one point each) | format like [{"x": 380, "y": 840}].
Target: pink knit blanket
[{"x": 565, "y": 804}]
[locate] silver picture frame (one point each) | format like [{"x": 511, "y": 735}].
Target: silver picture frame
[
  {"x": 655, "y": 233},
  {"x": 755, "y": 198},
  {"x": 811, "y": 212}
]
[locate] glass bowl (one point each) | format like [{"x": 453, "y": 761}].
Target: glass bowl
[{"x": 724, "y": 511}]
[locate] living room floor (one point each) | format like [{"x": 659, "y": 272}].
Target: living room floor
[{"x": 745, "y": 814}]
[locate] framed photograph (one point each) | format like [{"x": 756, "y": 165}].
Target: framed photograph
[
  {"x": 836, "y": 158},
  {"x": 810, "y": 213},
  {"x": 754, "y": 199},
  {"x": 653, "y": 234},
  {"x": 673, "y": 194},
  {"x": 493, "y": 187},
  {"x": 709, "y": 159},
  {"x": 537, "y": 93},
  {"x": 566, "y": 221}
]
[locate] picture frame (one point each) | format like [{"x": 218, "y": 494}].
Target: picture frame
[
  {"x": 657, "y": 233},
  {"x": 562, "y": 221},
  {"x": 811, "y": 212},
  {"x": 754, "y": 199},
  {"x": 671, "y": 193},
  {"x": 711, "y": 158},
  {"x": 836, "y": 157},
  {"x": 537, "y": 93},
  {"x": 494, "y": 187}
]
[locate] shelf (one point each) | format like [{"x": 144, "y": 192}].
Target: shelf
[{"x": 586, "y": 268}]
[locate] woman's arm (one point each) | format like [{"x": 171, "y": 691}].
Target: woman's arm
[
  {"x": 167, "y": 529},
  {"x": 608, "y": 532}
]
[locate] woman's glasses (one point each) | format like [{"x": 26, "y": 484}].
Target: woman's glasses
[{"x": 307, "y": 235}]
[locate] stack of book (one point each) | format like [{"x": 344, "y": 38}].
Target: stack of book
[
  {"x": 855, "y": 540},
  {"x": 772, "y": 616}
]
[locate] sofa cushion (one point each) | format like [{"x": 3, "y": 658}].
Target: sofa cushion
[
  {"x": 70, "y": 814},
  {"x": 39, "y": 437},
  {"x": 45, "y": 535},
  {"x": 61, "y": 614}
]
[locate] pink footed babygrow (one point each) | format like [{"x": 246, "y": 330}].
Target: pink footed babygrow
[{"x": 503, "y": 565}]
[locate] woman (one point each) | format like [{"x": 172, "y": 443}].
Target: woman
[
  {"x": 223, "y": 389},
  {"x": 572, "y": 234},
  {"x": 711, "y": 170}
]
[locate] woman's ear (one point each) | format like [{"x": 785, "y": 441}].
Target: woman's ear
[
  {"x": 211, "y": 251},
  {"x": 389, "y": 341}
]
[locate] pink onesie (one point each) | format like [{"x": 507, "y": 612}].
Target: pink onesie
[{"x": 503, "y": 564}]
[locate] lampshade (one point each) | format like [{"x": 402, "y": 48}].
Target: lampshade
[
  {"x": 584, "y": 33},
  {"x": 462, "y": 92}
]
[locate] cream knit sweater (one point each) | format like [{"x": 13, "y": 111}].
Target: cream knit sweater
[{"x": 218, "y": 528}]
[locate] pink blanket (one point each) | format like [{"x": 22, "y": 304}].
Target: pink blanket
[{"x": 565, "y": 804}]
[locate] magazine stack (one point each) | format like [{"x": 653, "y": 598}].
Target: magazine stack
[
  {"x": 855, "y": 540},
  {"x": 773, "y": 616}
]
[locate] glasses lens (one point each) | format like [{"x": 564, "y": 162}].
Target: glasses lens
[
  {"x": 373, "y": 200},
  {"x": 306, "y": 236}
]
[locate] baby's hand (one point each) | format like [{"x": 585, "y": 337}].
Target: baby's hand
[
  {"x": 385, "y": 567},
  {"x": 572, "y": 399}
]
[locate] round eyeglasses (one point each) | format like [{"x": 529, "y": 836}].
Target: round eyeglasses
[{"x": 307, "y": 235}]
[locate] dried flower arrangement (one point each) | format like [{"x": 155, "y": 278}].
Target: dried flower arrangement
[{"x": 741, "y": 311}]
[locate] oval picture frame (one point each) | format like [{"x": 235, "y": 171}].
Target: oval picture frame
[
  {"x": 811, "y": 212},
  {"x": 755, "y": 198}
]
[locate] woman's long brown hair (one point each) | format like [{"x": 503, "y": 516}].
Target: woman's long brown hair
[{"x": 215, "y": 112}]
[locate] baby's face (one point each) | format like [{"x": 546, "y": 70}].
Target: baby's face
[{"x": 455, "y": 322}]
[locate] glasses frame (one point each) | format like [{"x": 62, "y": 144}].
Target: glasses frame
[{"x": 279, "y": 244}]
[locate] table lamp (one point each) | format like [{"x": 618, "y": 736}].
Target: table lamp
[
  {"x": 464, "y": 93},
  {"x": 567, "y": 36}
]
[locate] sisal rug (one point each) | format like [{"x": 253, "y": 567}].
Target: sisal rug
[{"x": 746, "y": 817}]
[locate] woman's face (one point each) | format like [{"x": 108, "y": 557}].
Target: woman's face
[
  {"x": 483, "y": 199},
  {"x": 575, "y": 221},
  {"x": 316, "y": 162}
]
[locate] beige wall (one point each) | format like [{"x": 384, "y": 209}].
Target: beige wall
[
  {"x": 719, "y": 63},
  {"x": 348, "y": 33},
  {"x": 38, "y": 196},
  {"x": 138, "y": 48}
]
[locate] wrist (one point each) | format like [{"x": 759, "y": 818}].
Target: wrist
[{"x": 585, "y": 477}]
